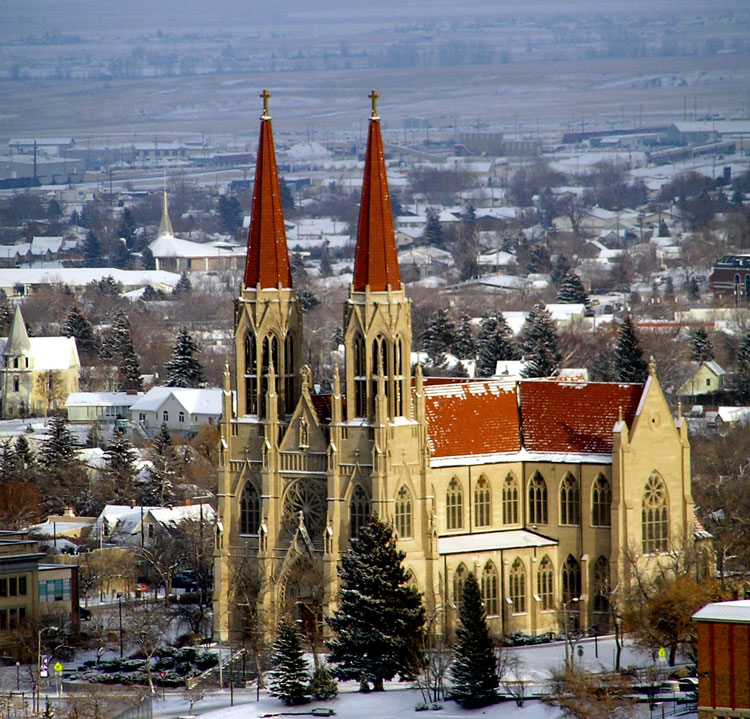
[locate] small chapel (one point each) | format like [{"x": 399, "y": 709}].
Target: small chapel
[{"x": 547, "y": 490}]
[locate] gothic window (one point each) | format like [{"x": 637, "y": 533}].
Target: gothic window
[
  {"x": 309, "y": 497},
  {"x": 489, "y": 589},
  {"x": 359, "y": 510},
  {"x": 398, "y": 378},
  {"x": 601, "y": 585},
  {"x": 360, "y": 373},
  {"x": 571, "y": 579},
  {"x": 380, "y": 364},
  {"x": 569, "y": 500},
  {"x": 15, "y": 363},
  {"x": 251, "y": 375},
  {"x": 454, "y": 502},
  {"x": 510, "y": 500},
  {"x": 16, "y": 384},
  {"x": 544, "y": 580},
  {"x": 601, "y": 502},
  {"x": 249, "y": 510},
  {"x": 289, "y": 374},
  {"x": 459, "y": 580},
  {"x": 654, "y": 517},
  {"x": 181, "y": 417},
  {"x": 537, "y": 500},
  {"x": 403, "y": 512},
  {"x": 518, "y": 586},
  {"x": 165, "y": 416},
  {"x": 482, "y": 503}
]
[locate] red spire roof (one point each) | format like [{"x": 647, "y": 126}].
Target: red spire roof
[
  {"x": 267, "y": 262},
  {"x": 376, "y": 261}
]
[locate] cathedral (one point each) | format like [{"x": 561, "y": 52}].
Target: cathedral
[{"x": 547, "y": 490}]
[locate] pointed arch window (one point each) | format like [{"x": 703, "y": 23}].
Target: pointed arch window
[
  {"x": 459, "y": 580},
  {"x": 601, "y": 502},
  {"x": 403, "y": 512},
  {"x": 655, "y": 519},
  {"x": 381, "y": 363},
  {"x": 601, "y": 585},
  {"x": 269, "y": 358},
  {"x": 289, "y": 374},
  {"x": 569, "y": 501},
  {"x": 251, "y": 375},
  {"x": 454, "y": 503},
  {"x": 398, "y": 378},
  {"x": 518, "y": 586},
  {"x": 482, "y": 503},
  {"x": 537, "y": 500},
  {"x": 571, "y": 579},
  {"x": 544, "y": 584},
  {"x": 510, "y": 500},
  {"x": 489, "y": 589},
  {"x": 16, "y": 384},
  {"x": 249, "y": 510},
  {"x": 360, "y": 376},
  {"x": 359, "y": 510}
]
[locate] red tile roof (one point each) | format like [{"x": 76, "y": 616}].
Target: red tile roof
[
  {"x": 376, "y": 259},
  {"x": 472, "y": 418},
  {"x": 267, "y": 262},
  {"x": 574, "y": 417}
]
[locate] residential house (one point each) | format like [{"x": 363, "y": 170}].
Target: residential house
[
  {"x": 707, "y": 377},
  {"x": 182, "y": 409},
  {"x": 100, "y": 406}
]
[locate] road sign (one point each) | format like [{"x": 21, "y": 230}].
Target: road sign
[
  {"x": 662, "y": 654},
  {"x": 58, "y": 667}
]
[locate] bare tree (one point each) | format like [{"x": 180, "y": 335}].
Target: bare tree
[
  {"x": 579, "y": 694},
  {"x": 147, "y": 623}
]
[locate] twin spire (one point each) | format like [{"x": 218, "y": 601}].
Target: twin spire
[{"x": 376, "y": 260}]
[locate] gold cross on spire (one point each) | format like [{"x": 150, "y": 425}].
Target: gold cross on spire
[
  {"x": 374, "y": 97},
  {"x": 265, "y": 95}
]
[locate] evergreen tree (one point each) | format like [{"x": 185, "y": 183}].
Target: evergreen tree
[
  {"x": 62, "y": 474},
  {"x": 8, "y": 461},
  {"x": 743, "y": 366},
  {"x": 541, "y": 344},
  {"x": 474, "y": 668},
  {"x": 119, "y": 255},
  {"x": 495, "y": 343},
  {"x": 323, "y": 686},
  {"x": 127, "y": 228},
  {"x": 438, "y": 337},
  {"x": 119, "y": 349},
  {"x": 701, "y": 347},
  {"x": 183, "y": 285},
  {"x": 147, "y": 259},
  {"x": 380, "y": 619},
  {"x": 539, "y": 260},
  {"x": 92, "y": 251},
  {"x": 77, "y": 325},
  {"x": 433, "y": 230},
  {"x": 572, "y": 291},
  {"x": 184, "y": 369},
  {"x": 120, "y": 470},
  {"x": 6, "y": 314},
  {"x": 694, "y": 289},
  {"x": 25, "y": 458},
  {"x": 630, "y": 365},
  {"x": 159, "y": 490},
  {"x": 560, "y": 269},
  {"x": 230, "y": 213},
  {"x": 464, "y": 346},
  {"x": 290, "y": 680}
]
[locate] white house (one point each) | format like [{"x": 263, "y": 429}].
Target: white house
[
  {"x": 182, "y": 409},
  {"x": 100, "y": 406}
]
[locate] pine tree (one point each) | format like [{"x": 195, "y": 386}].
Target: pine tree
[
  {"x": 92, "y": 251},
  {"x": 118, "y": 348},
  {"x": 630, "y": 365},
  {"x": 77, "y": 325},
  {"x": 572, "y": 291},
  {"x": 8, "y": 461},
  {"x": 560, "y": 269},
  {"x": 438, "y": 337},
  {"x": 743, "y": 366},
  {"x": 433, "y": 230},
  {"x": 183, "y": 285},
  {"x": 6, "y": 314},
  {"x": 25, "y": 458},
  {"x": 184, "y": 369},
  {"x": 541, "y": 344},
  {"x": 119, "y": 255},
  {"x": 290, "y": 680},
  {"x": 323, "y": 686},
  {"x": 495, "y": 344},
  {"x": 230, "y": 213},
  {"x": 380, "y": 619},
  {"x": 120, "y": 468},
  {"x": 62, "y": 474},
  {"x": 127, "y": 228},
  {"x": 464, "y": 346},
  {"x": 474, "y": 668},
  {"x": 701, "y": 347},
  {"x": 159, "y": 490}
]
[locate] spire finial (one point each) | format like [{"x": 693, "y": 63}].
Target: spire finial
[
  {"x": 374, "y": 97},
  {"x": 652, "y": 366},
  {"x": 265, "y": 95}
]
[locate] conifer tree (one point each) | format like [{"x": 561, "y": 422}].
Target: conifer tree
[
  {"x": 25, "y": 458},
  {"x": 743, "y": 366},
  {"x": 77, "y": 325},
  {"x": 541, "y": 344},
  {"x": 630, "y": 365},
  {"x": 159, "y": 490},
  {"x": 572, "y": 291},
  {"x": 6, "y": 314},
  {"x": 62, "y": 474},
  {"x": 380, "y": 619},
  {"x": 464, "y": 345},
  {"x": 474, "y": 668},
  {"x": 184, "y": 369},
  {"x": 8, "y": 461},
  {"x": 127, "y": 228},
  {"x": 495, "y": 343},
  {"x": 560, "y": 269},
  {"x": 183, "y": 285},
  {"x": 322, "y": 685},
  {"x": 701, "y": 347},
  {"x": 92, "y": 250},
  {"x": 290, "y": 679},
  {"x": 433, "y": 230},
  {"x": 119, "y": 349},
  {"x": 120, "y": 468},
  {"x": 438, "y": 337}
]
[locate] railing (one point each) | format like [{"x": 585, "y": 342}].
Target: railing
[{"x": 303, "y": 462}]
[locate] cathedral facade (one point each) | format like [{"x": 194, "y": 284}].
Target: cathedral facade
[{"x": 546, "y": 490}]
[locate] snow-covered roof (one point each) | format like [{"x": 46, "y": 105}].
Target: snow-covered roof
[
  {"x": 101, "y": 399},
  {"x": 169, "y": 246},
  {"x": 81, "y": 276},
  {"x": 737, "y": 611},
  {"x": 171, "y": 516},
  {"x": 490, "y": 541},
  {"x": 51, "y": 353},
  {"x": 195, "y": 401},
  {"x": 40, "y": 245},
  {"x": 715, "y": 368}
]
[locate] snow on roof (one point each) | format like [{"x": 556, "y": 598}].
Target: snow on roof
[
  {"x": 498, "y": 257},
  {"x": 171, "y": 516},
  {"x": 195, "y": 401},
  {"x": 51, "y": 353},
  {"x": 169, "y": 246},
  {"x": 715, "y": 368},
  {"x": 101, "y": 399},
  {"x": 79, "y": 276},
  {"x": 733, "y": 414},
  {"x": 302, "y": 151},
  {"x": 737, "y": 611},
  {"x": 491, "y": 541}
]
